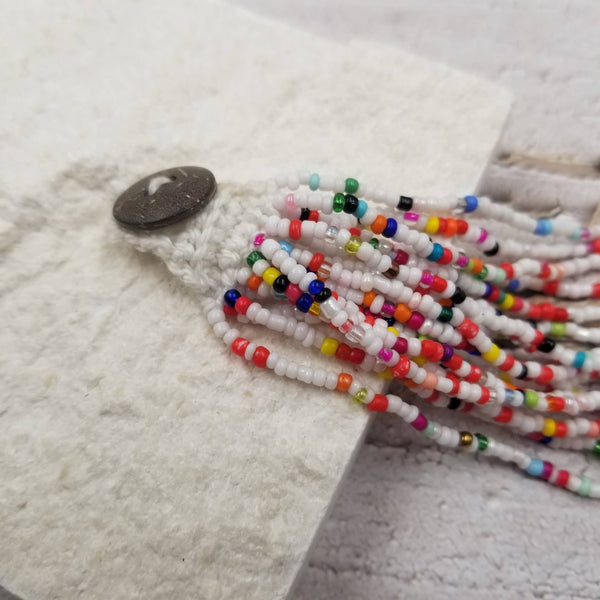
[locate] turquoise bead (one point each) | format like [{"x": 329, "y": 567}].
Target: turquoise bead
[
  {"x": 361, "y": 209},
  {"x": 313, "y": 184},
  {"x": 286, "y": 246},
  {"x": 436, "y": 253},
  {"x": 579, "y": 359},
  {"x": 585, "y": 487},
  {"x": 536, "y": 467}
]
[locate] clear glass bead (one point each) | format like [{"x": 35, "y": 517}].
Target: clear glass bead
[
  {"x": 356, "y": 334},
  {"x": 461, "y": 205},
  {"x": 331, "y": 234}
]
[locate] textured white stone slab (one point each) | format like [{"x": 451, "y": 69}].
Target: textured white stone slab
[{"x": 137, "y": 458}]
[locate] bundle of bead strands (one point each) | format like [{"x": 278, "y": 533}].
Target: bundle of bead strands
[{"x": 423, "y": 297}]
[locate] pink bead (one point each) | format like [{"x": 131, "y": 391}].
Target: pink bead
[
  {"x": 293, "y": 292},
  {"x": 259, "y": 239},
  {"x": 462, "y": 261},
  {"x": 411, "y": 216},
  {"x": 385, "y": 354},
  {"x": 415, "y": 321},
  {"x": 482, "y": 237},
  {"x": 388, "y": 309},
  {"x": 401, "y": 257},
  {"x": 420, "y": 423},
  {"x": 547, "y": 470},
  {"x": 401, "y": 345},
  {"x": 427, "y": 278}
]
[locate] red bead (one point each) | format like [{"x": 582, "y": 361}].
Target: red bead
[
  {"x": 442, "y": 224},
  {"x": 561, "y": 429},
  {"x": 379, "y": 403},
  {"x": 545, "y": 270},
  {"x": 534, "y": 312},
  {"x": 370, "y": 320},
  {"x": 505, "y": 415},
  {"x": 596, "y": 246},
  {"x": 446, "y": 257},
  {"x": 239, "y": 346},
  {"x": 431, "y": 350},
  {"x": 461, "y": 226},
  {"x": 508, "y": 364},
  {"x": 547, "y": 309},
  {"x": 454, "y": 363},
  {"x": 595, "y": 290},
  {"x": 355, "y": 231},
  {"x": 485, "y": 398},
  {"x": 467, "y": 407},
  {"x": 434, "y": 396},
  {"x": 550, "y": 288},
  {"x": 508, "y": 269},
  {"x": 242, "y": 304},
  {"x": 313, "y": 215},
  {"x": 494, "y": 294},
  {"x": 475, "y": 375},
  {"x": 259, "y": 358},
  {"x": 229, "y": 310},
  {"x": 561, "y": 314},
  {"x": 439, "y": 284},
  {"x": 455, "y": 384},
  {"x": 295, "y": 229},
  {"x": 562, "y": 478},
  {"x": 546, "y": 375},
  {"x": 315, "y": 262},
  {"x": 517, "y": 304},
  {"x": 468, "y": 329},
  {"x": 356, "y": 356},
  {"x": 401, "y": 368},
  {"x": 343, "y": 352},
  {"x": 538, "y": 336}
]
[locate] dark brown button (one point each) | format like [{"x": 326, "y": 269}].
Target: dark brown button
[{"x": 165, "y": 198}]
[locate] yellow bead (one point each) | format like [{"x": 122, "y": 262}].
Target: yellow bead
[
  {"x": 360, "y": 396},
  {"x": 393, "y": 330},
  {"x": 353, "y": 245},
  {"x": 387, "y": 374},
  {"x": 433, "y": 224},
  {"x": 270, "y": 275},
  {"x": 315, "y": 309},
  {"x": 549, "y": 428},
  {"x": 420, "y": 360},
  {"x": 492, "y": 354},
  {"x": 508, "y": 302},
  {"x": 329, "y": 346}
]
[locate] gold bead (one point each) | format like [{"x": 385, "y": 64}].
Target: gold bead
[
  {"x": 360, "y": 396},
  {"x": 466, "y": 439}
]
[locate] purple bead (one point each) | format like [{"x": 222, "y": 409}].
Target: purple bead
[
  {"x": 415, "y": 321},
  {"x": 448, "y": 352},
  {"x": 482, "y": 236},
  {"x": 259, "y": 239},
  {"x": 427, "y": 278},
  {"x": 385, "y": 354},
  {"x": 401, "y": 257},
  {"x": 547, "y": 470},
  {"x": 420, "y": 423},
  {"x": 462, "y": 261},
  {"x": 401, "y": 345},
  {"x": 388, "y": 309},
  {"x": 411, "y": 216}
]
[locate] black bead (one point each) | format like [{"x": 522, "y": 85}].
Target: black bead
[
  {"x": 458, "y": 297},
  {"x": 454, "y": 403},
  {"x": 524, "y": 372},
  {"x": 351, "y": 204},
  {"x": 492, "y": 251},
  {"x": 281, "y": 283},
  {"x": 323, "y": 295},
  {"x": 546, "y": 345},
  {"x": 304, "y": 212},
  {"x": 405, "y": 203}
]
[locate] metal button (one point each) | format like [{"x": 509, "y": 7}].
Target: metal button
[{"x": 165, "y": 198}]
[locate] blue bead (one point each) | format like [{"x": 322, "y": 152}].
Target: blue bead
[
  {"x": 513, "y": 285},
  {"x": 304, "y": 302},
  {"x": 543, "y": 227},
  {"x": 536, "y": 467},
  {"x": 489, "y": 288},
  {"x": 314, "y": 287},
  {"x": 545, "y": 440},
  {"x": 436, "y": 253},
  {"x": 472, "y": 203},
  {"x": 579, "y": 359},
  {"x": 286, "y": 246},
  {"x": 390, "y": 228},
  {"x": 313, "y": 184},
  {"x": 231, "y": 297},
  {"x": 361, "y": 210}
]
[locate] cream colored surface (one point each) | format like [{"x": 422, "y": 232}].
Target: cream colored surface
[{"x": 138, "y": 460}]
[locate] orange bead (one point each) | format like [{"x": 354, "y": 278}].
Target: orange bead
[
  {"x": 344, "y": 382},
  {"x": 379, "y": 224},
  {"x": 369, "y": 297},
  {"x": 402, "y": 313},
  {"x": 430, "y": 381},
  {"x": 451, "y": 227},
  {"x": 254, "y": 282},
  {"x": 477, "y": 266}
]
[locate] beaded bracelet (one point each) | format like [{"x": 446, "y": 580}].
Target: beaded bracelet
[{"x": 418, "y": 296}]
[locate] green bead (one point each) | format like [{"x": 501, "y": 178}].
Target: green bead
[
  {"x": 339, "y": 201},
  {"x": 470, "y": 265},
  {"x": 500, "y": 276},
  {"x": 531, "y": 399},
  {"x": 482, "y": 441},
  {"x": 597, "y": 448},
  {"x": 351, "y": 186},
  {"x": 482, "y": 274},
  {"x": 253, "y": 257},
  {"x": 446, "y": 315},
  {"x": 374, "y": 242},
  {"x": 360, "y": 396},
  {"x": 558, "y": 329},
  {"x": 585, "y": 487},
  {"x": 501, "y": 297},
  {"x": 429, "y": 430},
  {"x": 353, "y": 244}
]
